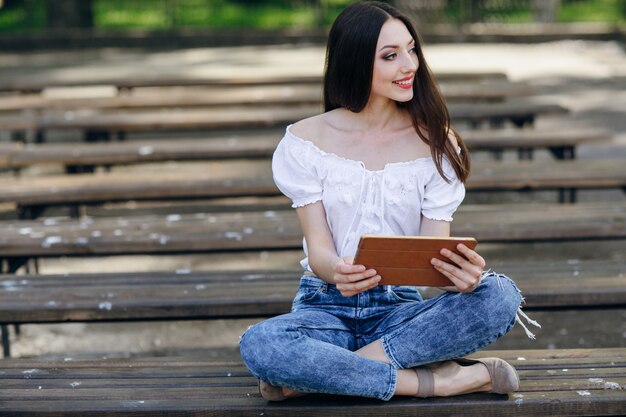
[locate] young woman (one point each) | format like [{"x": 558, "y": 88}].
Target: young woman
[{"x": 382, "y": 159}]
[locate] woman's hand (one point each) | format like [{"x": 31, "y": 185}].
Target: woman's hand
[
  {"x": 352, "y": 279},
  {"x": 465, "y": 273}
]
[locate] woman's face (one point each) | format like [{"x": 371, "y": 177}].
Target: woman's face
[{"x": 395, "y": 63}]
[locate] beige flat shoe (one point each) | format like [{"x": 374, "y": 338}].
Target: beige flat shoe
[{"x": 504, "y": 378}]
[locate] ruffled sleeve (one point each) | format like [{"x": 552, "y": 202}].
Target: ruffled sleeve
[
  {"x": 295, "y": 172},
  {"x": 441, "y": 198}
]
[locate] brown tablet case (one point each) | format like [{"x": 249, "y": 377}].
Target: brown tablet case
[{"x": 405, "y": 260}]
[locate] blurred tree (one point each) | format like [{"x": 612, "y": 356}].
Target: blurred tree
[
  {"x": 545, "y": 10},
  {"x": 64, "y": 14}
]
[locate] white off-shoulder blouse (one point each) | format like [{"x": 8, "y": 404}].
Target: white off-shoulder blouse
[{"x": 359, "y": 201}]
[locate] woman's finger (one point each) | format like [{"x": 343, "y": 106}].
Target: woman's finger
[
  {"x": 472, "y": 256},
  {"x": 351, "y": 278},
  {"x": 457, "y": 259},
  {"x": 349, "y": 289},
  {"x": 461, "y": 279},
  {"x": 466, "y": 266},
  {"x": 346, "y": 269}
]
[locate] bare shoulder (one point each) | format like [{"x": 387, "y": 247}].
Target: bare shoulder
[
  {"x": 309, "y": 128},
  {"x": 315, "y": 128}
]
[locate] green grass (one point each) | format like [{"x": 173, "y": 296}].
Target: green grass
[
  {"x": 168, "y": 14},
  {"x": 161, "y": 14},
  {"x": 611, "y": 11}
]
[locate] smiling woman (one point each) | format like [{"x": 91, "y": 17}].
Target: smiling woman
[{"x": 382, "y": 159}]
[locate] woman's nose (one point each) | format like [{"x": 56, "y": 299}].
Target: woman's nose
[{"x": 408, "y": 63}]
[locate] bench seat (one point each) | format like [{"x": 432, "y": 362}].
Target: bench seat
[
  {"x": 178, "y": 183},
  {"x": 519, "y": 112},
  {"x": 266, "y": 230},
  {"x": 259, "y": 145},
  {"x": 236, "y": 95},
  {"x": 42, "y": 80},
  {"x": 186, "y": 294},
  {"x": 578, "y": 382}
]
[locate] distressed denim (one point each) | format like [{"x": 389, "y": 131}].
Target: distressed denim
[{"x": 312, "y": 348}]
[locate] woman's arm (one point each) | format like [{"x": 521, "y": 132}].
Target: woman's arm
[
  {"x": 323, "y": 259},
  {"x": 465, "y": 273}
]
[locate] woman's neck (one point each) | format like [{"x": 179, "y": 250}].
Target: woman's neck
[{"x": 380, "y": 114}]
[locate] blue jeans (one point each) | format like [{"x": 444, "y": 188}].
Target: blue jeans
[{"x": 312, "y": 348}]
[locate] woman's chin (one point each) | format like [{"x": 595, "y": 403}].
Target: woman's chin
[{"x": 404, "y": 99}]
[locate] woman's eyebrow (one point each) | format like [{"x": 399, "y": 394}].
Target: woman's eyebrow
[{"x": 395, "y": 46}]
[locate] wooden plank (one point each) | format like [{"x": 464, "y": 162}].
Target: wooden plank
[
  {"x": 37, "y": 83},
  {"x": 239, "y": 117},
  {"x": 532, "y": 138},
  {"x": 203, "y": 232},
  {"x": 178, "y": 183},
  {"x": 148, "y": 386},
  {"x": 259, "y": 145},
  {"x": 233, "y": 146},
  {"x": 218, "y": 358},
  {"x": 225, "y": 294},
  {"x": 235, "y": 95}
]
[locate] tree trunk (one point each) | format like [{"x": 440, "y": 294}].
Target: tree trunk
[
  {"x": 69, "y": 14},
  {"x": 545, "y": 10}
]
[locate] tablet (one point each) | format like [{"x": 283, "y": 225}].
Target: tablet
[{"x": 405, "y": 260}]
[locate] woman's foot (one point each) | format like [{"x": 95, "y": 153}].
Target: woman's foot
[
  {"x": 273, "y": 393},
  {"x": 452, "y": 378}
]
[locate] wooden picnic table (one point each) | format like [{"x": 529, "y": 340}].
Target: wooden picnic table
[
  {"x": 35, "y": 193},
  {"x": 520, "y": 113},
  {"x": 562, "y": 142}
]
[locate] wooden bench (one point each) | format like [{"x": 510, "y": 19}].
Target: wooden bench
[
  {"x": 34, "y": 83},
  {"x": 235, "y": 95},
  {"x": 34, "y": 194},
  {"x": 102, "y": 124},
  {"x": 576, "y": 382},
  {"x": 267, "y": 230},
  {"x": 186, "y": 294},
  {"x": 83, "y": 157}
]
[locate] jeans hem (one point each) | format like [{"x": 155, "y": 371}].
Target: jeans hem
[{"x": 393, "y": 376}]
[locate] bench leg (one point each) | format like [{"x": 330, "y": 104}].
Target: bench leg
[
  {"x": 30, "y": 212},
  {"x": 97, "y": 135},
  {"x": 6, "y": 345},
  {"x": 80, "y": 169},
  {"x": 525, "y": 154},
  {"x": 522, "y": 122},
  {"x": 18, "y": 136},
  {"x": 14, "y": 264},
  {"x": 40, "y": 137},
  {"x": 563, "y": 152},
  {"x": 567, "y": 195}
]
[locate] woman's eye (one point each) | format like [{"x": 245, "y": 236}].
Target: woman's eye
[
  {"x": 389, "y": 56},
  {"x": 414, "y": 49}
]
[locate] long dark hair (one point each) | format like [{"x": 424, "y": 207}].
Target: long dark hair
[{"x": 348, "y": 80}]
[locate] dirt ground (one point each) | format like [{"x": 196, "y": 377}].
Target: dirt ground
[{"x": 587, "y": 77}]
